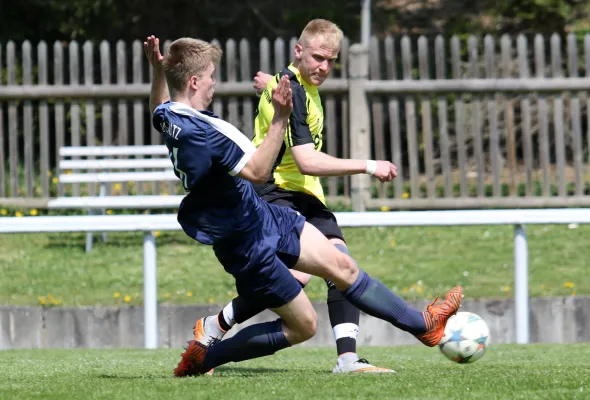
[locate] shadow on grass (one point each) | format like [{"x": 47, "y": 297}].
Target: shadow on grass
[{"x": 222, "y": 372}]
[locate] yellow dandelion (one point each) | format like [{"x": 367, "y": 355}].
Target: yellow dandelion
[
  {"x": 116, "y": 295},
  {"x": 393, "y": 243},
  {"x": 18, "y": 214},
  {"x": 54, "y": 180},
  {"x": 166, "y": 295},
  {"x": 42, "y": 300},
  {"x": 109, "y": 212},
  {"x": 117, "y": 187},
  {"x": 3, "y": 211},
  {"x": 385, "y": 208},
  {"x": 405, "y": 195},
  {"x": 419, "y": 289},
  {"x": 68, "y": 171},
  {"x": 542, "y": 286},
  {"x": 189, "y": 294},
  {"x": 506, "y": 288},
  {"x": 156, "y": 233},
  {"x": 34, "y": 212},
  {"x": 127, "y": 299},
  {"x": 569, "y": 285},
  {"x": 406, "y": 290},
  {"x": 211, "y": 300}
]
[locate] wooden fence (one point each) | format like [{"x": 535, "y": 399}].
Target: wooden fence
[{"x": 470, "y": 122}]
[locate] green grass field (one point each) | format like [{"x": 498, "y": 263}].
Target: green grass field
[
  {"x": 53, "y": 269},
  {"x": 505, "y": 372}
]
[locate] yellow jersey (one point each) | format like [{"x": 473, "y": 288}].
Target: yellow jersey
[{"x": 306, "y": 124}]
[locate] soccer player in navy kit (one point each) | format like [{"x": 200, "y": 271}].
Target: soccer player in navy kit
[{"x": 255, "y": 241}]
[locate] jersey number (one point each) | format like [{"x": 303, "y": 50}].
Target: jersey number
[{"x": 180, "y": 173}]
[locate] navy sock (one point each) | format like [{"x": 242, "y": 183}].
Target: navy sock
[
  {"x": 372, "y": 297},
  {"x": 254, "y": 341}
]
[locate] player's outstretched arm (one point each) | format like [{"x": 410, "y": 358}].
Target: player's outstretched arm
[
  {"x": 315, "y": 163},
  {"x": 259, "y": 166},
  {"x": 260, "y": 81},
  {"x": 159, "y": 90}
]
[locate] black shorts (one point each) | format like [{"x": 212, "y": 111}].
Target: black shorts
[{"x": 314, "y": 211}]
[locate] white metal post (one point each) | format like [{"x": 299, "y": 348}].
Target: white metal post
[
  {"x": 521, "y": 284},
  {"x": 150, "y": 299}
]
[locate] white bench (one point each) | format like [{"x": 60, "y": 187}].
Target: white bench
[
  {"x": 102, "y": 165},
  {"x": 150, "y": 223}
]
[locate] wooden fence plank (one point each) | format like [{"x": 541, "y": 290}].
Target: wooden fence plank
[
  {"x": 122, "y": 106},
  {"x": 377, "y": 112},
  {"x": 29, "y": 150},
  {"x": 426, "y": 112},
  {"x": 506, "y": 61},
  {"x": 411, "y": 120},
  {"x": 90, "y": 107},
  {"x": 543, "y": 114},
  {"x": 138, "y": 115},
  {"x": 60, "y": 120},
  {"x": 217, "y": 102},
  {"x": 231, "y": 60},
  {"x": 445, "y": 157},
  {"x": 495, "y": 155},
  {"x": 558, "y": 123},
  {"x": 576, "y": 123},
  {"x": 476, "y": 125},
  {"x": 13, "y": 153},
  {"x": 246, "y": 75},
  {"x": 75, "y": 118},
  {"x": 459, "y": 118},
  {"x": 394, "y": 119},
  {"x": 525, "y": 105},
  {"x": 44, "y": 141}
]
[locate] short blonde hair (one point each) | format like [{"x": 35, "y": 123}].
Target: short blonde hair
[
  {"x": 186, "y": 57},
  {"x": 330, "y": 33}
]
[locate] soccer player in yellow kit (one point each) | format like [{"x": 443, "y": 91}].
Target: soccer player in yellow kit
[{"x": 295, "y": 181}]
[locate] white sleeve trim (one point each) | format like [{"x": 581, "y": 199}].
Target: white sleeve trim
[
  {"x": 226, "y": 129},
  {"x": 242, "y": 163}
]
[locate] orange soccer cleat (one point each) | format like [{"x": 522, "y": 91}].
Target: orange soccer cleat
[
  {"x": 437, "y": 315},
  {"x": 191, "y": 363}
]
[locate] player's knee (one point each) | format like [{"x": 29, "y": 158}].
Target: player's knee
[
  {"x": 307, "y": 327},
  {"x": 347, "y": 268},
  {"x": 310, "y": 326}
]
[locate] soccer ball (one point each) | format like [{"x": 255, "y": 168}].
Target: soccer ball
[{"x": 466, "y": 338}]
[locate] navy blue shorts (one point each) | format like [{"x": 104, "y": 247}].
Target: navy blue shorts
[{"x": 260, "y": 264}]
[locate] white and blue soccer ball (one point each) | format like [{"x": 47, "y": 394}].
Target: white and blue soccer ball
[{"x": 466, "y": 338}]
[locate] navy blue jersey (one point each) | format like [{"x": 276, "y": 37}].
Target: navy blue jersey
[{"x": 207, "y": 153}]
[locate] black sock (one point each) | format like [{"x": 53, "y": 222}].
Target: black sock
[
  {"x": 221, "y": 320},
  {"x": 344, "y": 318}
]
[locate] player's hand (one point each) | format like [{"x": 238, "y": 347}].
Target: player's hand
[
  {"x": 282, "y": 98},
  {"x": 385, "y": 171},
  {"x": 260, "y": 81},
  {"x": 151, "y": 48}
]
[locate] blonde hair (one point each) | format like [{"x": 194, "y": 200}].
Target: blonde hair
[
  {"x": 329, "y": 32},
  {"x": 186, "y": 57}
]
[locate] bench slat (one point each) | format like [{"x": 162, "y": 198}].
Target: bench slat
[
  {"x": 116, "y": 202},
  {"x": 118, "y": 177},
  {"x": 97, "y": 151},
  {"x": 115, "y": 164}
]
